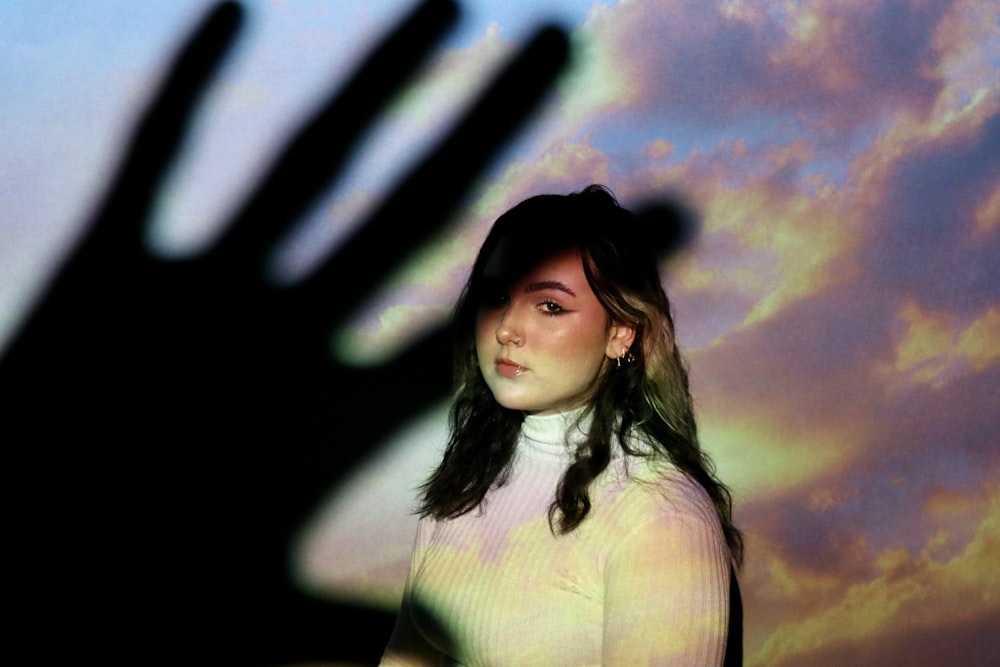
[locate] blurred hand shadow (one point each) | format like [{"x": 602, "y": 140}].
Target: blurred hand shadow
[{"x": 170, "y": 423}]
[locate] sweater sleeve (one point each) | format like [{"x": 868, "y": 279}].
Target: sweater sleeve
[
  {"x": 407, "y": 646},
  {"x": 666, "y": 585}
]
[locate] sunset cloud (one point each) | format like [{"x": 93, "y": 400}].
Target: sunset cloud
[
  {"x": 771, "y": 458},
  {"x": 987, "y": 216},
  {"x": 967, "y": 44},
  {"x": 935, "y": 346},
  {"x": 857, "y": 74},
  {"x": 774, "y": 230},
  {"x": 771, "y": 233},
  {"x": 910, "y": 594},
  {"x": 661, "y": 148}
]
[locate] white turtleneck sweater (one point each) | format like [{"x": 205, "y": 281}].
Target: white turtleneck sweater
[{"x": 644, "y": 580}]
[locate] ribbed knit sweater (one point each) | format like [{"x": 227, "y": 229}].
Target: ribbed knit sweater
[{"x": 644, "y": 580}]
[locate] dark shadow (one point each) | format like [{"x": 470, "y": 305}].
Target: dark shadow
[
  {"x": 734, "y": 637},
  {"x": 169, "y": 425}
]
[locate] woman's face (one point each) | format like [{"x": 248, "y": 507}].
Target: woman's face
[{"x": 543, "y": 337}]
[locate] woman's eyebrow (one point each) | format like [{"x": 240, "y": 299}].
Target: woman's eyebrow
[{"x": 542, "y": 285}]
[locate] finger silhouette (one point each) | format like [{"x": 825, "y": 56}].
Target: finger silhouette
[{"x": 321, "y": 147}]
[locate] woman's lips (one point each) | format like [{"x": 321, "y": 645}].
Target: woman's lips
[{"x": 509, "y": 369}]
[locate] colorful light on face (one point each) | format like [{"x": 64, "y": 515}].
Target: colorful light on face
[{"x": 543, "y": 338}]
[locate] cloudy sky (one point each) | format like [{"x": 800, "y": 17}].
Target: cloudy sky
[{"x": 840, "y": 306}]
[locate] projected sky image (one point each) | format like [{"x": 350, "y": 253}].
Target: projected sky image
[{"x": 839, "y": 305}]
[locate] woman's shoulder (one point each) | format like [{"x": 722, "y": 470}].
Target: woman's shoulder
[
  {"x": 643, "y": 489},
  {"x": 657, "y": 509}
]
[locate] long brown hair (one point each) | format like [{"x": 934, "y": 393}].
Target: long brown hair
[{"x": 647, "y": 396}]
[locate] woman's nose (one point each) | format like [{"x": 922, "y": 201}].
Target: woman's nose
[{"x": 507, "y": 330}]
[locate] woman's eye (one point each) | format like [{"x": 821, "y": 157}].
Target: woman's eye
[{"x": 550, "y": 307}]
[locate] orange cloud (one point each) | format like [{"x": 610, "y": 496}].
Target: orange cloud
[
  {"x": 763, "y": 456},
  {"x": 945, "y": 503},
  {"x": 828, "y": 497},
  {"x": 935, "y": 347},
  {"x": 909, "y": 594},
  {"x": 775, "y": 590},
  {"x": 661, "y": 148},
  {"x": 979, "y": 344},
  {"x": 987, "y": 215}
]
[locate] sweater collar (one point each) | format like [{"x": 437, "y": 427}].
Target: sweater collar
[{"x": 556, "y": 434}]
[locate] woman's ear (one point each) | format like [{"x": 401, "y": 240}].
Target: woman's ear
[{"x": 621, "y": 335}]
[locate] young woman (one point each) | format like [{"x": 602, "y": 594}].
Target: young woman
[{"x": 574, "y": 520}]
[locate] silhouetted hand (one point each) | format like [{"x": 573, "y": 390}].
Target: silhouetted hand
[{"x": 170, "y": 423}]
